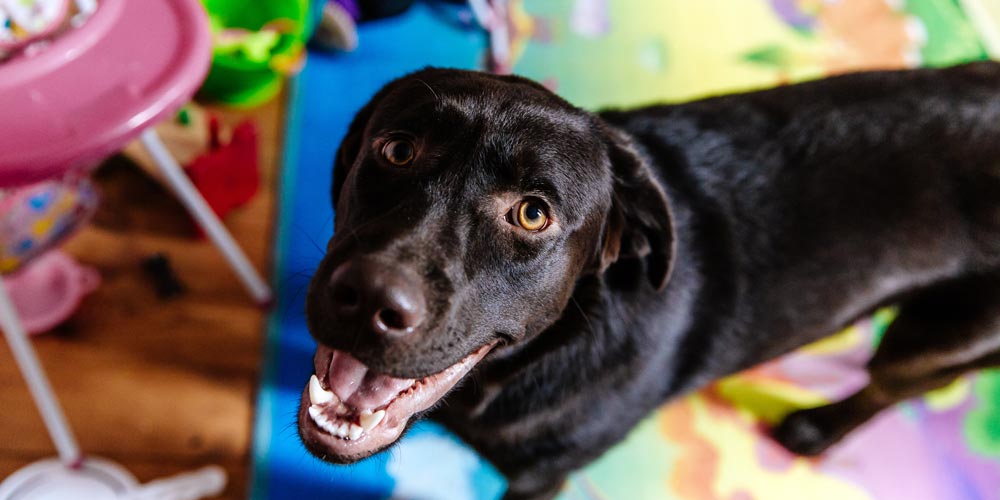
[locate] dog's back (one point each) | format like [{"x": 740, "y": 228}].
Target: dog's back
[
  {"x": 824, "y": 201},
  {"x": 829, "y": 199}
]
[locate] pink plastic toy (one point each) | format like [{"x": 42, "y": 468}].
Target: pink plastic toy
[
  {"x": 49, "y": 290},
  {"x": 73, "y": 91}
]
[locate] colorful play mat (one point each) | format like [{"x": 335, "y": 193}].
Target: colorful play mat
[{"x": 709, "y": 445}]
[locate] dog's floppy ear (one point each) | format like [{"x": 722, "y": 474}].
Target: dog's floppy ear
[{"x": 639, "y": 223}]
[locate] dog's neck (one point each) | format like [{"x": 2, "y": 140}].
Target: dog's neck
[
  {"x": 593, "y": 350},
  {"x": 619, "y": 344}
]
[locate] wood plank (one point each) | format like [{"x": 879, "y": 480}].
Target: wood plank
[{"x": 133, "y": 402}]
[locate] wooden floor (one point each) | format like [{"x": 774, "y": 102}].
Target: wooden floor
[{"x": 159, "y": 386}]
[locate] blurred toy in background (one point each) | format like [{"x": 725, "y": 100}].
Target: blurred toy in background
[
  {"x": 38, "y": 217},
  {"x": 222, "y": 162},
  {"x": 511, "y": 28},
  {"x": 228, "y": 175},
  {"x": 50, "y": 289},
  {"x": 161, "y": 274},
  {"x": 67, "y": 102},
  {"x": 34, "y": 219},
  {"x": 23, "y": 22},
  {"x": 337, "y": 29},
  {"x": 338, "y": 19},
  {"x": 27, "y": 24},
  {"x": 254, "y": 48},
  {"x": 870, "y": 34},
  {"x": 590, "y": 18}
]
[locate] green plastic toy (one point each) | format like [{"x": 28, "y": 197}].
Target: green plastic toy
[{"x": 254, "y": 49}]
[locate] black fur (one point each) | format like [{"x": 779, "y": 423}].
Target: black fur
[{"x": 694, "y": 241}]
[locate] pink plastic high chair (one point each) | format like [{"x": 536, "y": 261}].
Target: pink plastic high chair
[{"x": 65, "y": 104}]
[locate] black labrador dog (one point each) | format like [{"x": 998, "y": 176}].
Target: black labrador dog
[{"x": 576, "y": 270}]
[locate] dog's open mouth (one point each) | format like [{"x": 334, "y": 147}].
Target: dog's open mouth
[{"x": 348, "y": 412}]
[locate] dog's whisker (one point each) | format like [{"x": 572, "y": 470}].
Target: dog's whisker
[{"x": 309, "y": 237}]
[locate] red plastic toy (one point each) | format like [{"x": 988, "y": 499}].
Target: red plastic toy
[{"x": 228, "y": 175}]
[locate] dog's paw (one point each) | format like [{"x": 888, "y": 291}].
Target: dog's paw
[{"x": 803, "y": 434}]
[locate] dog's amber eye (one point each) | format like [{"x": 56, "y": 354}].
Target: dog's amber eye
[
  {"x": 399, "y": 152},
  {"x": 531, "y": 215}
]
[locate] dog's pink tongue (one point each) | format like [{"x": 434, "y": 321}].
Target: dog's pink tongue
[{"x": 350, "y": 380}]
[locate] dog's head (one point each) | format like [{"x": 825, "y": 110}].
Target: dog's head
[{"x": 467, "y": 207}]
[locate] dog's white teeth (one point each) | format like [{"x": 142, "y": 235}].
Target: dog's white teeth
[
  {"x": 316, "y": 413},
  {"x": 320, "y": 409},
  {"x": 370, "y": 420},
  {"x": 355, "y": 432},
  {"x": 317, "y": 394},
  {"x": 321, "y": 419},
  {"x": 341, "y": 429}
]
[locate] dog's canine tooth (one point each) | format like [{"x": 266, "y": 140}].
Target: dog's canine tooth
[
  {"x": 317, "y": 394},
  {"x": 355, "y": 432},
  {"x": 369, "y": 420}
]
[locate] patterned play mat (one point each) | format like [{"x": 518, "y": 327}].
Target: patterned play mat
[{"x": 709, "y": 445}]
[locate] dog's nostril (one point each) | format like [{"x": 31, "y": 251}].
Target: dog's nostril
[{"x": 392, "y": 319}]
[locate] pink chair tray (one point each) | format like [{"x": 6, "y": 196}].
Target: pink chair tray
[{"x": 98, "y": 86}]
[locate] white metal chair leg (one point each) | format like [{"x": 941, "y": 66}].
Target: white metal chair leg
[
  {"x": 205, "y": 217},
  {"x": 38, "y": 383}
]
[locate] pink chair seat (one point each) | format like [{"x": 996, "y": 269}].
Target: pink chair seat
[{"x": 96, "y": 87}]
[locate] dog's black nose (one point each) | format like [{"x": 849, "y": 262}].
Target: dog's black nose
[{"x": 391, "y": 299}]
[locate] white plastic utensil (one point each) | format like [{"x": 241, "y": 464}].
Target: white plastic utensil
[{"x": 100, "y": 479}]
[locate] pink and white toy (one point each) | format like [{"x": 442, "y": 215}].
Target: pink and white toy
[
  {"x": 49, "y": 290},
  {"x": 78, "y": 80}
]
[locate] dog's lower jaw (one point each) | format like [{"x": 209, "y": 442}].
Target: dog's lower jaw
[
  {"x": 332, "y": 448},
  {"x": 338, "y": 432},
  {"x": 314, "y": 441}
]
